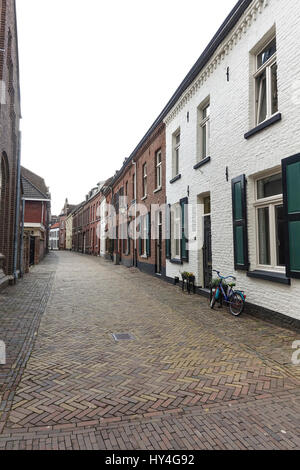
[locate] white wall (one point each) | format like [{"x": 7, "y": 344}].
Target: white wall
[{"x": 231, "y": 118}]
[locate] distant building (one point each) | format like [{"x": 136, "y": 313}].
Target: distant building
[
  {"x": 86, "y": 222},
  {"x": 54, "y": 219},
  {"x": 67, "y": 209},
  {"x": 36, "y": 217},
  {"x": 54, "y": 237}
]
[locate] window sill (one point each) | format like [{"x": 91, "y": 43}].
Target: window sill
[
  {"x": 144, "y": 256},
  {"x": 270, "y": 276},
  {"x": 157, "y": 190},
  {"x": 175, "y": 179},
  {"x": 263, "y": 125},
  {"x": 203, "y": 162},
  {"x": 175, "y": 261}
]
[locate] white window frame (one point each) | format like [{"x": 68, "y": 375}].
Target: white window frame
[
  {"x": 203, "y": 126},
  {"x": 145, "y": 180},
  {"x": 270, "y": 202},
  {"x": 158, "y": 166},
  {"x": 176, "y": 153},
  {"x": 266, "y": 67}
]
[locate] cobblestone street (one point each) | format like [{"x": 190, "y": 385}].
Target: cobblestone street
[{"x": 190, "y": 377}]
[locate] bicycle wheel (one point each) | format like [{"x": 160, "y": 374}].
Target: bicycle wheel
[
  {"x": 213, "y": 299},
  {"x": 236, "y": 304}
]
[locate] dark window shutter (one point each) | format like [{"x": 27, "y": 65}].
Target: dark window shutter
[
  {"x": 148, "y": 243},
  {"x": 168, "y": 231},
  {"x": 184, "y": 229},
  {"x": 239, "y": 214},
  {"x": 291, "y": 202}
]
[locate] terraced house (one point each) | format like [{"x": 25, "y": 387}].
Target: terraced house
[
  {"x": 137, "y": 193},
  {"x": 233, "y": 158},
  {"x": 10, "y": 242}
]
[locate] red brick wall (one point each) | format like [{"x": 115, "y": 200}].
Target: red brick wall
[
  {"x": 85, "y": 223},
  {"x": 33, "y": 212}
]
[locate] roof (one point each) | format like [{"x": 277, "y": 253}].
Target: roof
[
  {"x": 30, "y": 191},
  {"x": 34, "y": 181},
  {"x": 54, "y": 226},
  {"x": 229, "y": 23}
]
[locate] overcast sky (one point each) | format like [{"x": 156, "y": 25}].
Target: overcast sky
[{"x": 94, "y": 77}]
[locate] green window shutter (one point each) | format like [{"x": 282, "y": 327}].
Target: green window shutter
[
  {"x": 291, "y": 202},
  {"x": 184, "y": 229},
  {"x": 148, "y": 242},
  {"x": 239, "y": 215},
  {"x": 168, "y": 231}
]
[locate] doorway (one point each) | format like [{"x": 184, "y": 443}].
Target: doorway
[{"x": 31, "y": 252}]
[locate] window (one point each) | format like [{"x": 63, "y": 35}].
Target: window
[
  {"x": 266, "y": 83},
  {"x": 206, "y": 202},
  {"x": 145, "y": 180},
  {"x": 204, "y": 131},
  {"x": 133, "y": 187},
  {"x": 176, "y": 148},
  {"x": 270, "y": 222},
  {"x": 158, "y": 169}
]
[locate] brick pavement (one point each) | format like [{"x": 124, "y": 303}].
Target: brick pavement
[{"x": 190, "y": 378}]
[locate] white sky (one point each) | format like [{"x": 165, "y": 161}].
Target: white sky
[{"x": 95, "y": 75}]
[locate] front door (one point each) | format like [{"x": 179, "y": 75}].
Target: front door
[
  {"x": 32, "y": 246},
  {"x": 207, "y": 252}
]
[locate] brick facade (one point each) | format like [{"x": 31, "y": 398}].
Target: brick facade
[
  {"x": 86, "y": 223},
  {"x": 129, "y": 251},
  {"x": 9, "y": 137}
]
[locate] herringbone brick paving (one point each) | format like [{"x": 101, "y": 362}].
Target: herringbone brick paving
[{"x": 186, "y": 365}]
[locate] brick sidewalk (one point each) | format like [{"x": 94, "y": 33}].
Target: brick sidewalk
[{"x": 190, "y": 378}]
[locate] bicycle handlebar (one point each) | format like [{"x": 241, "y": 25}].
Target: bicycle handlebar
[{"x": 222, "y": 277}]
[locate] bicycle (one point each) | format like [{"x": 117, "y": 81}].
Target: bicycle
[{"x": 235, "y": 299}]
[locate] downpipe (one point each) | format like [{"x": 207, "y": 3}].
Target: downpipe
[{"x": 17, "y": 219}]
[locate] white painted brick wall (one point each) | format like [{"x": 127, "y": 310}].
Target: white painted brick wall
[{"x": 230, "y": 120}]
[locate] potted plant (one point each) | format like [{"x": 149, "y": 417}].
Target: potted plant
[{"x": 188, "y": 279}]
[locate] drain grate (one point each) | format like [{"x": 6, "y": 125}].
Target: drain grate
[{"x": 122, "y": 336}]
